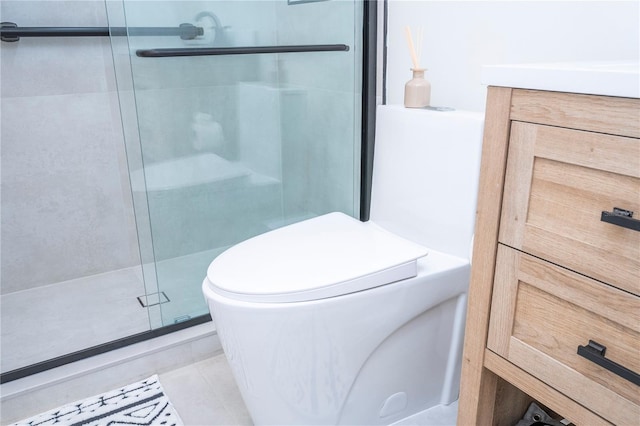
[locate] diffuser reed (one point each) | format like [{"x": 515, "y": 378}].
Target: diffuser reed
[
  {"x": 417, "y": 91},
  {"x": 412, "y": 50}
]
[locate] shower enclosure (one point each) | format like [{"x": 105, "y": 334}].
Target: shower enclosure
[{"x": 211, "y": 122}]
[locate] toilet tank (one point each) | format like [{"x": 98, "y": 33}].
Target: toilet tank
[{"x": 425, "y": 175}]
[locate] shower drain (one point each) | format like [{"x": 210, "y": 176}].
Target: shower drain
[{"x": 153, "y": 299}]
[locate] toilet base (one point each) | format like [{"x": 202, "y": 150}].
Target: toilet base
[{"x": 371, "y": 357}]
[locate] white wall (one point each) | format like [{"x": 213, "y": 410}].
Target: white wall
[{"x": 461, "y": 36}]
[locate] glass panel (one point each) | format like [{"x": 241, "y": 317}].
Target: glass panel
[
  {"x": 234, "y": 146},
  {"x": 151, "y": 295},
  {"x": 70, "y": 259}
]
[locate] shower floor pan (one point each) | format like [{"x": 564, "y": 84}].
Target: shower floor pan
[{"x": 58, "y": 319}]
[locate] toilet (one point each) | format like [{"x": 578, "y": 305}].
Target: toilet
[{"x": 336, "y": 321}]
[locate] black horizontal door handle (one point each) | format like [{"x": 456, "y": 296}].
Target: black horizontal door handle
[
  {"x": 243, "y": 50},
  {"x": 621, "y": 217},
  {"x": 11, "y": 32},
  {"x": 595, "y": 352}
]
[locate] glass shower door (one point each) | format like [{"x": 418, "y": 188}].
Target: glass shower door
[{"x": 247, "y": 122}]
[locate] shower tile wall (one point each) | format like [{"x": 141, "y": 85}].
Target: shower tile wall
[
  {"x": 330, "y": 99},
  {"x": 170, "y": 92},
  {"x": 307, "y": 95},
  {"x": 66, "y": 203}
]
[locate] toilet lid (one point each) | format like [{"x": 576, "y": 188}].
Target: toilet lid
[{"x": 326, "y": 256}]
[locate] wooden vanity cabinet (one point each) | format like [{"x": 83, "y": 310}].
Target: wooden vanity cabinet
[{"x": 556, "y": 262}]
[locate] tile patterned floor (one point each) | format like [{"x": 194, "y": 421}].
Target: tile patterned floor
[{"x": 205, "y": 394}]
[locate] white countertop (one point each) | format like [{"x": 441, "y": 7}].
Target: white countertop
[{"x": 596, "y": 78}]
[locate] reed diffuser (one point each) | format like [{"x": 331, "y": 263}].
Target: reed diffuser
[{"x": 417, "y": 91}]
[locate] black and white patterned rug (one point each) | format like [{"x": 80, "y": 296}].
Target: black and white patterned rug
[{"x": 142, "y": 403}]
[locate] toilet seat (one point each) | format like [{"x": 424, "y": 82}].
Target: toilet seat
[{"x": 323, "y": 257}]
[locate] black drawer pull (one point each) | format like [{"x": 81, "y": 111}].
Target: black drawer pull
[
  {"x": 594, "y": 352},
  {"x": 621, "y": 217}
]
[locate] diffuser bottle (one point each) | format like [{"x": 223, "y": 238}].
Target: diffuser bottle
[{"x": 417, "y": 91}]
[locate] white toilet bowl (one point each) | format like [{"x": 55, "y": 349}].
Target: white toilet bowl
[{"x": 336, "y": 321}]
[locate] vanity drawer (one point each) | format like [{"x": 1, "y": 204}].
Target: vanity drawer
[
  {"x": 542, "y": 313},
  {"x": 559, "y": 184}
]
